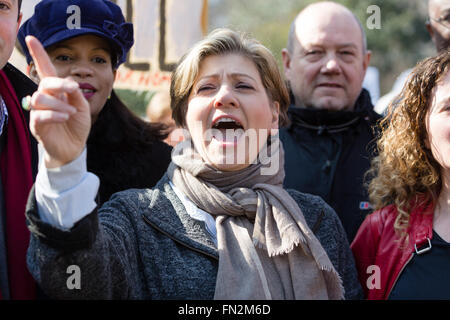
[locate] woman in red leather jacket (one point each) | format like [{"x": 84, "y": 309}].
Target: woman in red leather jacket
[{"x": 402, "y": 250}]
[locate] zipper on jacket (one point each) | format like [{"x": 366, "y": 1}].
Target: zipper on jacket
[
  {"x": 398, "y": 276},
  {"x": 178, "y": 241}
]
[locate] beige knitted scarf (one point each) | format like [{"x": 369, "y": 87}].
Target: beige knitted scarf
[{"x": 266, "y": 249}]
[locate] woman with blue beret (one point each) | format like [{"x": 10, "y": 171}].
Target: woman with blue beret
[{"x": 88, "y": 40}]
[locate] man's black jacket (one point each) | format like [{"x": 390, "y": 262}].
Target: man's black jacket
[{"x": 327, "y": 154}]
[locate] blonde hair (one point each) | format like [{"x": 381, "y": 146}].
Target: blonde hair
[
  {"x": 405, "y": 169},
  {"x": 221, "y": 42}
]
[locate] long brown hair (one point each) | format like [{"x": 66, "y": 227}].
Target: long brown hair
[{"x": 405, "y": 169}]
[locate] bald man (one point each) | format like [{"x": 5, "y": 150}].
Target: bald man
[
  {"x": 327, "y": 144},
  {"x": 438, "y": 25}
]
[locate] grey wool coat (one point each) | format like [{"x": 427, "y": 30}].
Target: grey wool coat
[{"x": 142, "y": 244}]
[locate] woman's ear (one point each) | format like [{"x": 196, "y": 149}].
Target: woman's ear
[
  {"x": 32, "y": 72},
  {"x": 275, "y": 117}
]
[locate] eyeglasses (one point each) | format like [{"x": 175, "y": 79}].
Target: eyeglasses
[{"x": 444, "y": 20}]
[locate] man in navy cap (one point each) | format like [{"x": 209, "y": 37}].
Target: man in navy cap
[{"x": 18, "y": 163}]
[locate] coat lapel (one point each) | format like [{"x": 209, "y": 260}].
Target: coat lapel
[{"x": 167, "y": 213}]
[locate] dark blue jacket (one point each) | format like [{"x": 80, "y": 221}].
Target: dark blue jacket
[{"x": 327, "y": 154}]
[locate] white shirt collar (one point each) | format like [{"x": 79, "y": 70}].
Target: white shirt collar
[{"x": 197, "y": 213}]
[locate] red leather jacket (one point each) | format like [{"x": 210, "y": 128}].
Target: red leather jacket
[{"x": 376, "y": 244}]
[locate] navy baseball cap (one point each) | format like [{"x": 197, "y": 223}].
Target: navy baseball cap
[{"x": 54, "y": 21}]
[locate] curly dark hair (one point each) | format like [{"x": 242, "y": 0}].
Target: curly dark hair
[{"x": 405, "y": 167}]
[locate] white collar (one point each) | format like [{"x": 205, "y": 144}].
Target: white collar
[{"x": 197, "y": 213}]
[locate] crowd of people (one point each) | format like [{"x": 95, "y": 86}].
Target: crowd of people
[{"x": 276, "y": 184}]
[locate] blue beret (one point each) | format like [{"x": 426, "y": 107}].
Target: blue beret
[{"x": 54, "y": 21}]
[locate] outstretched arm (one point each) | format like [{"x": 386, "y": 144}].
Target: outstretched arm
[{"x": 66, "y": 231}]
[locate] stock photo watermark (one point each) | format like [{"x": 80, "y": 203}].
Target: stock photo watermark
[
  {"x": 74, "y": 20},
  {"x": 374, "y": 280},
  {"x": 74, "y": 280},
  {"x": 374, "y": 20}
]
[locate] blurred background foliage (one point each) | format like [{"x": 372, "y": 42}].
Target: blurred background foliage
[
  {"x": 137, "y": 101},
  {"x": 399, "y": 44}
]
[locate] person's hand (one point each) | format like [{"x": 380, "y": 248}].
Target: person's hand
[{"x": 60, "y": 115}]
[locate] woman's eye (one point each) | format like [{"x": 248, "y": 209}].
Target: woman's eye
[
  {"x": 3, "y": 6},
  {"x": 99, "y": 60},
  {"x": 62, "y": 58},
  {"x": 242, "y": 85},
  {"x": 205, "y": 88}
]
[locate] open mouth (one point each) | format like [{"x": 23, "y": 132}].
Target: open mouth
[
  {"x": 227, "y": 130},
  {"x": 87, "y": 90},
  {"x": 225, "y": 123}
]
